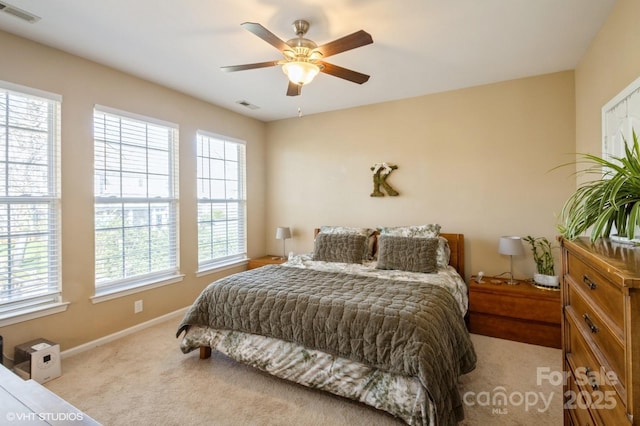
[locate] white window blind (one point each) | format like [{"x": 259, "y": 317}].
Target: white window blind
[
  {"x": 221, "y": 200},
  {"x": 136, "y": 200},
  {"x": 29, "y": 199}
]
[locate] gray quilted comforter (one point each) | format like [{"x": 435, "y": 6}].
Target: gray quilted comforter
[{"x": 407, "y": 328}]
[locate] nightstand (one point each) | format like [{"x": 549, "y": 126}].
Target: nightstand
[
  {"x": 265, "y": 260},
  {"x": 519, "y": 312}
]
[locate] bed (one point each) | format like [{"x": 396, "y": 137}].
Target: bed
[{"x": 366, "y": 318}]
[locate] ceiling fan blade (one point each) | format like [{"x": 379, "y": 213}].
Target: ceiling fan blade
[
  {"x": 344, "y": 73},
  {"x": 249, "y": 66},
  {"x": 266, "y": 35},
  {"x": 294, "y": 89},
  {"x": 351, "y": 41}
]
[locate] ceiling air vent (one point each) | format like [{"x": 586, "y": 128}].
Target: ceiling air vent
[
  {"x": 18, "y": 13},
  {"x": 247, "y": 105}
]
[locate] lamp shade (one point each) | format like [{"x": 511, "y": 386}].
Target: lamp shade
[
  {"x": 300, "y": 72},
  {"x": 282, "y": 233},
  {"x": 511, "y": 246}
]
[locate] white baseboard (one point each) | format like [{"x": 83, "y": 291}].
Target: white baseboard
[{"x": 111, "y": 337}]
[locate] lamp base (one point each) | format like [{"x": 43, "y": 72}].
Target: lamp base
[{"x": 511, "y": 281}]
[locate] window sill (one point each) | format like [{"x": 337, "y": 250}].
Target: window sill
[
  {"x": 219, "y": 267},
  {"x": 106, "y": 294},
  {"x": 32, "y": 313}
]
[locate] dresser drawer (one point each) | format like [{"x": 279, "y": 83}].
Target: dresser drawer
[
  {"x": 599, "y": 290},
  {"x": 576, "y": 404},
  {"x": 593, "y": 380},
  {"x": 607, "y": 337}
]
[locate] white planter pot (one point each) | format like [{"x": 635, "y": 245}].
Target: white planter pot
[
  {"x": 546, "y": 280},
  {"x": 624, "y": 240}
]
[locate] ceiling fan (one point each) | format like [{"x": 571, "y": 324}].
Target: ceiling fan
[{"x": 303, "y": 58}]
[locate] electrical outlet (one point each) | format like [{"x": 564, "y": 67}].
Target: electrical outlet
[{"x": 137, "y": 306}]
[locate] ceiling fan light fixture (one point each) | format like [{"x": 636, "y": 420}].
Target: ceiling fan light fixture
[
  {"x": 299, "y": 72},
  {"x": 302, "y": 59}
]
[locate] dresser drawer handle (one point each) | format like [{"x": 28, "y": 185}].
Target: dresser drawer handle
[
  {"x": 592, "y": 326},
  {"x": 592, "y": 378},
  {"x": 588, "y": 282}
]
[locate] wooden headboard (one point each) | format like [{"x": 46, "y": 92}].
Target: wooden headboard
[{"x": 456, "y": 244}]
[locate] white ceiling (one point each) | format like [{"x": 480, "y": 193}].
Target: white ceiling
[{"x": 420, "y": 46}]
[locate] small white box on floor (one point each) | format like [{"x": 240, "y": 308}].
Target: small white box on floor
[{"x": 39, "y": 360}]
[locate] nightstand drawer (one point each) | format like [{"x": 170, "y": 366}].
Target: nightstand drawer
[
  {"x": 518, "y": 312},
  {"x": 265, "y": 260},
  {"x": 525, "y": 331},
  {"x": 516, "y": 306}
]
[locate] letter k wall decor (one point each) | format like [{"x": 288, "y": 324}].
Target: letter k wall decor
[{"x": 381, "y": 172}]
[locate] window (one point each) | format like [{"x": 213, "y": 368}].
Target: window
[
  {"x": 221, "y": 201},
  {"x": 29, "y": 200},
  {"x": 620, "y": 119},
  {"x": 136, "y": 204}
]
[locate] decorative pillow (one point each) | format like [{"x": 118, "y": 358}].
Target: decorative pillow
[
  {"x": 346, "y": 230},
  {"x": 367, "y": 232},
  {"x": 431, "y": 230},
  {"x": 345, "y": 248},
  {"x": 408, "y": 254}
]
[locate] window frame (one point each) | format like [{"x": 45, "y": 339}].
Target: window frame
[
  {"x": 28, "y": 308},
  {"x": 125, "y": 285},
  {"x": 618, "y": 117},
  {"x": 221, "y": 262}
]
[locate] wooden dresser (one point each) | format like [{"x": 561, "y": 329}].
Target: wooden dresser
[{"x": 601, "y": 332}]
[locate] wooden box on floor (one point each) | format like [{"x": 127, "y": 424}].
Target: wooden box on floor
[{"x": 519, "y": 312}]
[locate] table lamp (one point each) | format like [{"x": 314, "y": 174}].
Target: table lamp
[
  {"x": 511, "y": 246},
  {"x": 282, "y": 233}
]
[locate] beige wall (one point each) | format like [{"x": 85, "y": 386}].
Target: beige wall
[
  {"x": 477, "y": 161},
  {"x": 611, "y": 64},
  {"x": 83, "y": 84}
]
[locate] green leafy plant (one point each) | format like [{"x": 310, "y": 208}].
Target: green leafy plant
[
  {"x": 542, "y": 254},
  {"x": 612, "y": 200}
]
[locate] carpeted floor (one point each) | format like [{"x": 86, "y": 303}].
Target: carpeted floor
[{"x": 145, "y": 379}]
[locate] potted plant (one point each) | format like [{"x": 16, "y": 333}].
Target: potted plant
[
  {"x": 545, "y": 266},
  {"x": 613, "y": 200}
]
